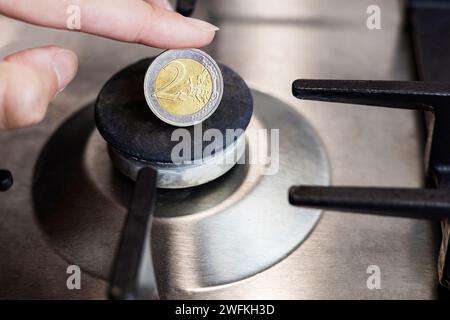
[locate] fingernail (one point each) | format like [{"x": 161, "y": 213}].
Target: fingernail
[
  {"x": 65, "y": 64},
  {"x": 203, "y": 24}
]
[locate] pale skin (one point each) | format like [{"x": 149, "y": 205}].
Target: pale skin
[{"x": 30, "y": 79}]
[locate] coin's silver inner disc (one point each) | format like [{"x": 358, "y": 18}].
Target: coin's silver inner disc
[{"x": 241, "y": 225}]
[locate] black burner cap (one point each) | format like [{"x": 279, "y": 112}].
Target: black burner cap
[{"x": 126, "y": 122}]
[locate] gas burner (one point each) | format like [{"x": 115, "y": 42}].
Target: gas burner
[
  {"x": 203, "y": 236},
  {"x": 137, "y": 138}
]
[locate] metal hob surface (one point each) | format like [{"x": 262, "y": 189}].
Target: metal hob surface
[
  {"x": 269, "y": 44},
  {"x": 203, "y": 237}
]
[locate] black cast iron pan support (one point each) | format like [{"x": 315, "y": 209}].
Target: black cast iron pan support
[
  {"x": 186, "y": 7},
  {"x": 402, "y": 202},
  {"x": 426, "y": 203},
  {"x": 133, "y": 275},
  {"x": 429, "y": 203},
  {"x": 430, "y": 29},
  {"x": 6, "y": 180},
  {"x": 430, "y": 26}
]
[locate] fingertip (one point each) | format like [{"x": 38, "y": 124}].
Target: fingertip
[
  {"x": 22, "y": 101},
  {"x": 208, "y": 38},
  {"x": 204, "y": 32},
  {"x": 29, "y": 80},
  {"x": 65, "y": 66},
  {"x": 169, "y": 30},
  {"x": 199, "y": 42},
  {"x": 201, "y": 24}
]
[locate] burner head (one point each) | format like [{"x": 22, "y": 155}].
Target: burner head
[{"x": 131, "y": 129}]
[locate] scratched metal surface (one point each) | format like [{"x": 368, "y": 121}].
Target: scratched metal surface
[{"x": 270, "y": 43}]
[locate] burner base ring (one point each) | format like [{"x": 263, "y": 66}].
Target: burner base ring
[
  {"x": 204, "y": 237},
  {"x": 172, "y": 176}
]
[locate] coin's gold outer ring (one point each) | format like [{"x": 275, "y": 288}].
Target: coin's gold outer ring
[{"x": 183, "y": 120}]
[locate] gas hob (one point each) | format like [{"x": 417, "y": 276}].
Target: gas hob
[{"x": 271, "y": 250}]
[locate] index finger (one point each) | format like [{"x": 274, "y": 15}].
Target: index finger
[{"x": 125, "y": 20}]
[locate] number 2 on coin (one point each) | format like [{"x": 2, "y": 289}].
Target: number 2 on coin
[{"x": 180, "y": 73}]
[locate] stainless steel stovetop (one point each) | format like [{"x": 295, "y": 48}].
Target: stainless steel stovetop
[{"x": 270, "y": 44}]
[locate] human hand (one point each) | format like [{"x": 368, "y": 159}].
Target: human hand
[{"x": 30, "y": 79}]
